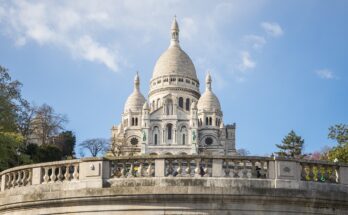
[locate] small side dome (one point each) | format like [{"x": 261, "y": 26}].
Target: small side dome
[
  {"x": 146, "y": 106},
  {"x": 136, "y": 100},
  {"x": 209, "y": 101}
]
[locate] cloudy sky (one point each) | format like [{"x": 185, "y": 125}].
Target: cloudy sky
[{"x": 276, "y": 65}]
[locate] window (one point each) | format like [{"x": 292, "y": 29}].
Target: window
[
  {"x": 188, "y": 81},
  {"x": 155, "y": 141},
  {"x": 134, "y": 141},
  {"x": 187, "y": 104},
  {"x": 158, "y": 103},
  {"x": 132, "y": 121},
  {"x": 165, "y": 80},
  {"x": 136, "y": 121},
  {"x": 169, "y": 131},
  {"x": 208, "y": 141},
  {"x": 210, "y": 121},
  {"x": 206, "y": 121},
  {"x": 183, "y": 139},
  {"x": 159, "y": 81},
  {"x": 181, "y": 102},
  {"x": 181, "y": 80}
]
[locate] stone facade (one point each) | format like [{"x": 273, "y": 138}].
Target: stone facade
[{"x": 176, "y": 118}]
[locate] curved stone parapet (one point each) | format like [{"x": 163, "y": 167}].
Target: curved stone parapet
[{"x": 176, "y": 185}]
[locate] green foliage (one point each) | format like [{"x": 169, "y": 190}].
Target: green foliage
[
  {"x": 291, "y": 147},
  {"x": 11, "y": 145},
  {"x": 66, "y": 143},
  {"x": 339, "y": 133},
  {"x": 43, "y": 153},
  {"x": 340, "y": 153}
]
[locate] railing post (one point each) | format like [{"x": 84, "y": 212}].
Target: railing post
[
  {"x": 3, "y": 182},
  {"x": 36, "y": 177},
  {"x": 217, "y": 168},
  {"x": 343, "y": 174},
  {"x": 271, "y": 170},
  {"x": 94, "y": 172},
  {"x": 159, "y": 167},
  {"x": 287, "y": 174}
]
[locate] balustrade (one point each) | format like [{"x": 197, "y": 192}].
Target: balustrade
[
  {"x": 319, "y": 172},
  {"x": 19, "y": 178},
  {"x": 60, "y": 173},
  {"x": 245, "y": 168},
  {"x": 188, "y": 167},
  {"x": 129, "y": 168}
]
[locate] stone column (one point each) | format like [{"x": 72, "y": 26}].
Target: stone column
[
  {"x": 36, "y": 178},
  {"x": 343, "y": 173},
  {"x": 159, "y": 167},
  {"x": 217, "y": 168},
  {"x": 3, "y": 182}
]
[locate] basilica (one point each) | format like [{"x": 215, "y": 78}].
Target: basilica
[{"x": 175, "y": 118}]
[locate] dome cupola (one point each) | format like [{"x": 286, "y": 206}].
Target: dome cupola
[
  {"x": 208, "y": 101},
  {"x": 136, "y": 100},
  {"x": 174, "y": 69}
]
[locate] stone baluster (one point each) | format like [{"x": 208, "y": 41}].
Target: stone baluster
[
  {"x": 140, "y": 169},
  {"x": 236, "y": 169},
  {"x": 179, "y": 169},
  {"x": 123, "y": 170},
  {"x": 76, "y": 172},
  {"x": 188, "y": 168},
  {"x": 244, "y": 171},
  {"x": 7, "y": 181},
  {"x": 263, "y": 171},
  {"x": 13, "y": 183},
  {"x": 254, "y": 169},
  {"x": 53, "y": 176},
  {"x": 19, "y": 178},
  {"x": 198, "y": 168},
  {"x": 67, "y": 175},
  {"x": 46, "y": 178},
  {"x": 311, "y": 175},
  {"x": 28, "y": 180},
  {"x": 206, "y": 169},
  {"x": 170, "y": 169},
  {"x": 60, "y": 175},
  {"x": 304, "y": 172},
  {"x": 227, "y": 169},
  {"x": 149, "y": 170},
  {"x": 24, "y": 177}
]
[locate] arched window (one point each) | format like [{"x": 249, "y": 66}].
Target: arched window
[
  {"x": 206, "y": 121},
  {"x": 153, "y": 105},
  {"x": 136, "y": 121},
  {"x": 169, "y": 107},
  {"x": 210, "y": 121},
  {"x": 169, "y": 131},
  {"x": 132, "y": 121},
  {"x": 181, "y": 102},
  {"x": 183, "y": 133},
  {"x": 183, "y": 139},
  {"x": 158, "y": 103},
  {"x": 156, "y": 135},
  {"x": 187, "y": 104}
]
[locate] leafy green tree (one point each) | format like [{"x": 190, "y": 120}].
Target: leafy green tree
[
  {"x": 291, "y": 147},
  {"x": 339, "y": 133},
  {"x": 66, "y": 143}
]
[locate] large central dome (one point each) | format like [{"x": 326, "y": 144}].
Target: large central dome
[{"x": 174, "y": 61}]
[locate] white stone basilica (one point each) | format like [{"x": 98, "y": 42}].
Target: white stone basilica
[{"x": 176, "y": 118}]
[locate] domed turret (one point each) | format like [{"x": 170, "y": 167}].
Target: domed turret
[
  {"x": 208, "y": 101},
  {"x": 136, "y": 100}
]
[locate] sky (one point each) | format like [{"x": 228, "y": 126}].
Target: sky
[{"x": 276, "y": 65}]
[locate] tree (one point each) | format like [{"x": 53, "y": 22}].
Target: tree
[
  {"x": 47, "y": 123},
  {"x": 116, "y": 146},
  {"x": 66, "y": 141},
  {"x": 10, "y": 99},
  {"x": 243, "y": 152},
  {"x": 95, "y": 146},
  {"x": 339, "y": 133},
  {"x": 291, "y": 147}
]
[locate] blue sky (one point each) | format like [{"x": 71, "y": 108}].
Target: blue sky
[{"x": 276, "y": 65}]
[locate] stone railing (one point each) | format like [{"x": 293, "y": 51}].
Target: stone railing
[{"x": 98, "y": 172}]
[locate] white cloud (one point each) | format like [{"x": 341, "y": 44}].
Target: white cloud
[
  {"x": 247, "y": 63},
  {"x": 325, "y": 74},
  {"x": 110, "y": 27},
  {"x": 273, "y": 29},
  {"x": 256, "y": 41},
  {"x": 92, "y": 51}
]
